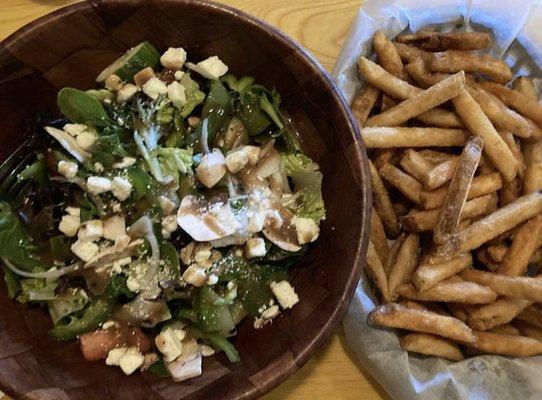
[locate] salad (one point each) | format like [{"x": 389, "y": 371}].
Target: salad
[{"x": 161, "y": 210}]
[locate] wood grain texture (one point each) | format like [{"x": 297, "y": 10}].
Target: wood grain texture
[{"x": 321, "y": 27}]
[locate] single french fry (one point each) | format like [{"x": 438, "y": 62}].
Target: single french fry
[
  {"x": 506, "y": 345},
  {"x": 388, "y": 56},
  {"x": 526, "y": 242},
  {"x": 412, "y": 304},
  {"x": 420, "y": 103},
  {"x": 528, "y": 330},
  {"x": 436, "y": 157},
  {"x": 531, "y": 314},
  {"x": 378, "y": 236},
  {"x": 382, "y": 204},
  {"x": 452, "y": 61},
  {"x": 456, "y": 197},
  {"x": 396, "y": 316},
  {"x": 410, "y": 53},
  {"x": 431, "y": 345},
  {"x": 532, "y": 178},
  {"x": 364, "y": 103},
  {"x": 415, "y": 164},
  {"x": 386, "y": 137},
  {"x": 440, "y": 41},
  {"x": 440, "y": 118},
  {"x": 452, "y": 292},
  {"x": 500, "y": 221},
  {"x": 525, "y": 85},
  {"x": 478, "y": 123},
  {"x": 375, "y": 270},
  {"x": 417, "y": 71},
  {"x": 405, "y": 263},
  {"x": 481, "y": 185},
  {"x": 515, "y": 147},
  {"x": 378, "y": 77},
  {"x": 392, "y": 255},
  {"x": 523, "y": 104},
  {"x": 500, "y": 312},
  {"x": 497, "y": 252},
  {"x": 407, "y": 185},
  {"x": 440, "y": 174},
  {"x": 507, "y": 329},
  {"x": 421, "y": 221},
  {"x": 428, "y": 275},
  {"x": 503, "y": 117},
  {"x": 515, "y": 287}
]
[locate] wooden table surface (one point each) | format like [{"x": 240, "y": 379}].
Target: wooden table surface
[{"x": 321, "y": 26}]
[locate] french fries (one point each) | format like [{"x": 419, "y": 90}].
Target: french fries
[
  {"x": 428, "y": 275},
  {"x": 386, "y": 137},
  {"x": 478, "y": 123},
  {"x": 396, "y": 316},
  {"x": 523, "y": 104},
  {"x": 526, "y": 241},
  {"x": 500, "y": 312},
  {"x": 532, "y": 179},
  {"x": 500, "y": 221},
  {"x": 420, "y": 103},
  {"x": 364, "y": 103},
  {"x": 388, "y": 56},
  {"x": 375, "y": 270},
  {"x": 457, "y": 174},
  {"x": 431, "y": 345},
  {"x": 382, "y": 204},
  {"x": 450, "y": 213},
  {"x": 407, "y": 185},
  {"x": 511, "y": 286},
  {"x": 525, "y": 85},
  {"x": 480, "y": 186},
  {"x": 506, "y": 345},
  {"x": 453, "y": 61},
  {"x": 503, "y": 117},
  {"x": 439, "y": 41},
  {"x": 378, "y": 236},
  {"x": 420, "y": 221},
  {"x": 452, "y": 292},
  {"x": 404, "y": 264}
]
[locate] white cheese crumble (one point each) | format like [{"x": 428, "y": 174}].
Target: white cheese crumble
[
  {"x": 67, "y": 169},
  {"x": 285, "y": 294}
]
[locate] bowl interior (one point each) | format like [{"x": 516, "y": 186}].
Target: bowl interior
[{"x": 69, "y": 48}]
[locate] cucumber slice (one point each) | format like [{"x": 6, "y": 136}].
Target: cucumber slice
[{"x": 130, "y": 63}]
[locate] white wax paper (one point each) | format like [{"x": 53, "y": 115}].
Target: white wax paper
[{"x": 517, "y": 30}]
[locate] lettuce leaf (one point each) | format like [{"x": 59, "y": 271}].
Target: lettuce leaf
[
  {"x": 194, "y": 96},
  {"x": 173, "y": 161},
  {"x": 37, "y": 289},
  {"x": 308, "y": 185},
  {"x": 15, "y": 242},
  {"x": 72, "y": 300}
]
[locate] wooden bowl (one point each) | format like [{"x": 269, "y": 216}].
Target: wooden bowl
[{"x": 69, "y": 48}]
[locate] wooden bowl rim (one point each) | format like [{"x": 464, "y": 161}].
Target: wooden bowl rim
[{"x": 356, "y": 149}]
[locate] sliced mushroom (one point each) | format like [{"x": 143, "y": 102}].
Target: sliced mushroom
[
  {"x": 143, "y": 228},
  {"x": 279, "y": 229},
  {"x": 69, "y": 143},
  {"x": 121, "y": 249},
  {"x": 206, "y": 221},
  {"x": 269, "y": 162},
  {"x": 188, "y": 364}
]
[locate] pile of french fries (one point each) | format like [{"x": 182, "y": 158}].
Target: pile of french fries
[{"x": 456, "y": 172}]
